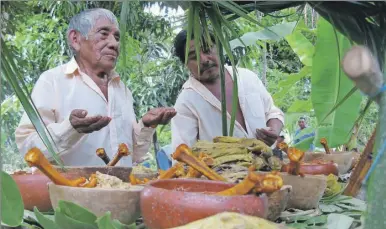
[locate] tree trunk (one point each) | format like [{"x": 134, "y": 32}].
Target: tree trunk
[
  {"x": 305, "y": 14},
  {"x": 155, "y": 144},
  {"x": 264, "y": 70},
  {"x": 312, "y": 18}
]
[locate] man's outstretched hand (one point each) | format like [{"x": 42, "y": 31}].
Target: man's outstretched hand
[
  {"x": 267, "y": 135},
  {"x": 158, "y": 116},
  {"x": 84, "y": 124}
]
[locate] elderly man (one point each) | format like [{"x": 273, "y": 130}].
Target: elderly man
[
  {"x": 199, "y": 108},
  {"x": 84, "y": 103}
]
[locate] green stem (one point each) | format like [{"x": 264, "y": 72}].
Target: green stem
[
  {"x": 223, "y": 97},
  {"x": 377, "y": 182}
]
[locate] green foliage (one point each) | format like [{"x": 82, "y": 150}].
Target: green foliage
[
  {"x": 44, "y": 221},
  {"x": 326, "y": 68},
  {"x": 12, "y": 206},
  {"x": 71, "y": 215}
]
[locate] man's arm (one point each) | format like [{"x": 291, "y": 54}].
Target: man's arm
[
  {"x": 142, "y": 138},
  {"x": 142, "y": 135},
  {"x": 273, "y": 115},
  {"x": 276, "y": 125},
  {"x": 63, "y": 134}
]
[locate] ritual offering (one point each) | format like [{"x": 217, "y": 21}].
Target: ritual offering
[
  {"x": 109, "y": 194},
  {"x": 81, "y": 185},
  {"x": 345, "y": 160},
  {"x": 239, "y": 151},
  {"x": 297, "y": 166},
  {"x": 189, "y": 198}
]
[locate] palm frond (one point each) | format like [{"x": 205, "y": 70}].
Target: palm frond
[{"x": 13, "y": 76}]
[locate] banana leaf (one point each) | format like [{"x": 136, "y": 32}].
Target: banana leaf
[{"x": 330, "y": 85}]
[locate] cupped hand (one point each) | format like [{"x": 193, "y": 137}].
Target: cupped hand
[
  {"x": 84, "y": 124},
  {"x": 158, "y": 116},
  {"x": 267, "y": 135}
]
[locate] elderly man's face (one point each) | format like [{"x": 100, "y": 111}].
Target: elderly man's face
[
  {"x": 102, "y": 46},
  {"x": 209, "y": 64}
]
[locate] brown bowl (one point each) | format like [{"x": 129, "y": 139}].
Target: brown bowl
[
  {"x": 345, "y": 160},
  {"x": 34, "y": 190},
  {"x": 175, "y": 202},
  {"x": 315, "y": 168}
]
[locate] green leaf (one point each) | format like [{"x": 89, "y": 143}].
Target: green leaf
[
  {"x": 14, "y": 78},
  {"x": 197, "y": 36},
  {"x": 326, "y": 68},
  {"x": 305, "y": 143},
  {"x": 274, "y": 33},
  {"x": 322, "y": 219},
  {"x": 44, "y": 221},
  {"x": 106, "y": 222},
  {"x": 189, "y": 30},
  {"x": 339, "y": 221},
  {"x": 300, "y": 106},
  {"x": 302, "y": 47},
  {"x": 353, "y": 204},
  {"x": 329, "y": 208},
  {"x": 64, "y": 221},
  {"x": 12, "y": 206},
  {"x": 295, "y": 77},
  {"x": 77, "y": 212}
]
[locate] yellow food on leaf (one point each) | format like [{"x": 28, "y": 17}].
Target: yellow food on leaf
[{"x": 333, "y": 186}]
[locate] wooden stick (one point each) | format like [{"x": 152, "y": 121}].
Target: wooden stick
[
  {"x": 361, "y": 169},
  {"x": 100, "y": 152},
  {"x": 123, "y": 151},
  {"x": 362, "y": 68}
]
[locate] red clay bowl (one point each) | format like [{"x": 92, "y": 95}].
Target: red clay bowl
[
  {"x": 34, "y": 190},
  {"x": 175, "y": 202},
  {"x": 315, "y": 169}
]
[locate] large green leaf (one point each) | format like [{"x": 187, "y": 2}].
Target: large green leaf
[
  {"x": 45, "y": 221},
  {"x": 65, "y": 221},
  {"x": 302, "y": 47},
  {"x": 12, "y": 206},
  {"x": 339, "y": 221},
  {"x": 295, "y": 77},
  {"x": 77, "y": 212},
  {"x": 274, "y": 33},
  {"x": 305, "y": 143},
  {"x": 330, "y": 86},
  {"x": 300, "y": 106},
  {"x": 289, "y": 82},
  {"x": 106, "y": 222}
]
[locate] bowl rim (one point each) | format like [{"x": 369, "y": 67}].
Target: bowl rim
[
  {"x": 51, "y": 184},
  {"x": 262, "y": 196}
]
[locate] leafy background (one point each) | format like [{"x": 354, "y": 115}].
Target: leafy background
[
  {"x": 298, "y": 64},
  {"x": 286, "y": 63}
]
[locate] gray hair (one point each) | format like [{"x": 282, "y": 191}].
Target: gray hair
[{"x": 84, "y": 21}]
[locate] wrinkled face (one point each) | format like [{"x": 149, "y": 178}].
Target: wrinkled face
[
  {"x": 302, "y": 124},
  {"x": 101, "y": 49},
  {"x": 209, "y": 64}
]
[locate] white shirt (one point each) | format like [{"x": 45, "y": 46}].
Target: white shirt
[
  {"x": 199, "y": 111},
  {"x": 60, "y": 90}
]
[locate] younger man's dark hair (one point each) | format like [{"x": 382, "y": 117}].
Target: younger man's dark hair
[{"x": 180, "y": 41}]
